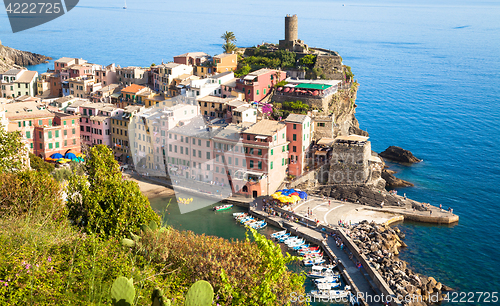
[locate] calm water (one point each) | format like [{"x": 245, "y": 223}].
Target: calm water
[{"x": 429, "y": 77}]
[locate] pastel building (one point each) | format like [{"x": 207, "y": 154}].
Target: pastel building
[
  {"x": 65, "y": 62},
  {"x": 120, "y": 124},
  {"x": 299, "y": 135},
  {"x": 18, "y": 82},
  {"x": 225, "y": 62},
  {"x": 192, "y": 58},
  {"x": 265, "y": 146},
  {"x": 132, "y": 75},
  {"x": 106, "y": 75},
  {"x": 258, "y": 84},
  {"x": 208, "y": 86},
  {"x": 164, "y": 74},
  {"x": 95, "y": 122}
]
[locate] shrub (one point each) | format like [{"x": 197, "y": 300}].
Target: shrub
[
  {"x": 102, "y": 202},
  {"x": 39, "y": 164}
]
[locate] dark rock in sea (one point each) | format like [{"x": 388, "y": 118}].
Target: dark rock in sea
[
  {"x": 399, "y": 154},
  {"x": 391, "y": 181},
  {"x": 365, "y": 195}
]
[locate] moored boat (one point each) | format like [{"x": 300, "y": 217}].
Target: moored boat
[
  {"x": 223, "y": 207},
  {"x": 278, "y": 234},
  {"x": 313, "y": 261}
]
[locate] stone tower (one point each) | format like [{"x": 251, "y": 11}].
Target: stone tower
[
  {"x": 292, "y": 41},
  {"x": 291, "y": 28}
]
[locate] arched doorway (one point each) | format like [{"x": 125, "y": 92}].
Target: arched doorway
[{"x": 245, "y": 188}]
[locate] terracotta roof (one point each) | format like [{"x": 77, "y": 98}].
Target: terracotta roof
[
  {"x": 265, "y": 127},
  {"x": 134, "y": 88}
]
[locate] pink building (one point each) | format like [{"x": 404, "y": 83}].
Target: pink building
[
  {"x": 65, "y": 62},
  {"x": 95, "y": 122},
  {"x": 264, "y": 158},
  {"x": 298, "y": 129},
  {"x": 106, "y": 75},
  {"x": 192, "y": 58},
  {"x": 258, "y": 84}
]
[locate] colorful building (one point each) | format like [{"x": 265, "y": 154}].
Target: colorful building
[
  {"x": 258, "y": 84},
  {"x": 299, "y": 135},
  {"x": 18, "y": 82},
  {"x": 225, "y": 62}
]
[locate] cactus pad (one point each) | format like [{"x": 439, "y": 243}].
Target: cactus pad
[{"x": 201, "y": 293}]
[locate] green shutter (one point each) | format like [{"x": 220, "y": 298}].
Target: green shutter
[
  {"x": 271, "y": 165},
  {"x": 50, "y": 134},
  {"x": 57, "y": 144},
  {"x": 272, "y": 151},
  {"x": 50, "y": 146}
]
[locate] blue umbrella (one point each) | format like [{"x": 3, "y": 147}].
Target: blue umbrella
[
  {"x": 70, "y": 156},
  {"x": 56, "y": 156}
]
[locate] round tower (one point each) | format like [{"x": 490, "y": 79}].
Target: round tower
[{"x": 291, "y": 28}]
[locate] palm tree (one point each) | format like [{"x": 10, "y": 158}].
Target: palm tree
[
  {"x": 228, "y": 37},
  {"x": 229, "y": 47}
]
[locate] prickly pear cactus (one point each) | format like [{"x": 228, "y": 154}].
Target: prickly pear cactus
[
  {"x": 153, "y": 226},
  {"x": 201, "y": 293},
  {"x": 157, "y": 298},
  {"x": 128, "y": 242},
  {"x": 123, "y": 291}
]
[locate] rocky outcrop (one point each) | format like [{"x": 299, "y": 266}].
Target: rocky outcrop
[
  {"x": 381, "y": 244},
  {"x": 399, "y": 154},
  {"x": 12, "y": 58},
  {"x": 365, "y": 195},
  {"x": 392, "y": 182}
]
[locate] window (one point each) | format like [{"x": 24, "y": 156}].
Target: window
[
  {"x": 50, "y": 134},
  {"x": 283, "y": 136},
  {"x": 294, "y": 137},
  {"x": 50, "y": 146},
  {"x": 294, "y": 149},
  {"x": 236, "y": 161},
  {"x": 40, "y": 122},
  {"x": 57, "y": 134},
  {"x": 31, "y": 145},
  {"x": 294, "y": 126},
  {"x": 194, "y": 140},
  {"x": 28, "y": 134},
  {"x": 260, "y": 165},
  {"x": 19, "y": 123},
  {"x": 208, "y": 155},
  {"x": 64, "y": 122},
  {"x": 73, "y": 131},
  {"x": 41, "y": 147},
  {"x": 275, "y": 137},
  {"x": 65, "y": 133},
  {"x": 321, "y": 124},
  {"x": 182, "y": 150},
  {"x": 282, "y": 161},
  {"x": 175, "y": 149},
  {"x": 65, "y": 143},
  {"x": 264, "y": 91},
  {"x": 257, "y": 92},
  {"x": 271, "y": 165},
  {"x": 170, "y": 148},
  {"x": 57, "y": 145},
  {"x": 194, "y": 152},
  {"x": 259, "y": 152},
  {"x": 229, "y": 160},
  {"x": 199, "y": 153},
  {"x": 208, "y": 167},
  {"x": 251, "y": 163},
  {"x": 217, "y": 169},
  {"x": 251, "y": 151},
  {"x": 208, "y": 144}
]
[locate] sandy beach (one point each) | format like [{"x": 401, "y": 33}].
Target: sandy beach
[{"x": 150, "y": 190}]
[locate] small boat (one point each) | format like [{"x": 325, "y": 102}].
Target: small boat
[
  {"x": 278, "y": 234},
  {"x": 324, "y": 293},
  {"x": 308, "y": 252},
  {"x": 258, "y": 225},
  {"x": 309, "y": 249},
  {"x": 319, "y": 272},
  {"x": 125, "y": 6},
  {"x": 313, "y": 255},
  {"x": 326, "y": 279},
  {"x": 238, "y": 214},
  {"x": 296, "y": 246},
  {"x": 330, "y": 286},
  {"x": 300, "y": 247},
  {"x": 223, "y": 207},
  {"x": 284, "y": 237},
  {"x": 295, "y": 242},
  {"x": 313, "y": 261}
]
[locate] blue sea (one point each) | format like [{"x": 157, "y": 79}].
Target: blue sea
[{"x": 429, "y": 74}]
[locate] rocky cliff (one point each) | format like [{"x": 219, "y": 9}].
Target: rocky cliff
[
  {"x": 343, "y": 106},
  {"x": 12, "y": 58}
]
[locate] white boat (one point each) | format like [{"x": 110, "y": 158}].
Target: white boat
[
  {"x": 296, "y": 242},
  {"x": 327, "y": 279},
  {"x": 238, "y": 214},
  {"x": 125, "y": 6},
  {"x": 313, "y": 261},
  {"x": 329, "y": 286},
  {"x": 278, "y": 234},
  {"x": 319, "y": 272},
  {"x": 287, "y": 237},
  {"x": 324, "y": 293}
]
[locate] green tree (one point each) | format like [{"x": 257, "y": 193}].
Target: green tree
[
  {"x": 39, "y": 164},
  {"x": 228, "y": 37},
  {"x": 11, "y": 149},
  {"x": 102, "y": 202},
  {"x": 308, "y": 60},
  {"x": 242, "y": 71},
  {"x": 229, "y": 47}
]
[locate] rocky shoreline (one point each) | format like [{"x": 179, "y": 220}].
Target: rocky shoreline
[
  {"x": 381, "y": 244},
  {"x": 13, "y": 58}
]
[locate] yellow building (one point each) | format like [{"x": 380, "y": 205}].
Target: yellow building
[{"x": 225, "y": 62}]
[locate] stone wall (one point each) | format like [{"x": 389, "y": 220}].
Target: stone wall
[
  {"x": 313, "y": 102},
  {"x": 349, "y": 163},
  {"x": 331, "y": 65},
  {"x": 326, "y": 131}
]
